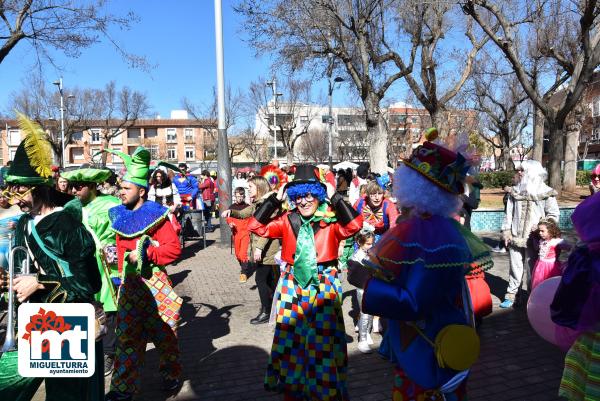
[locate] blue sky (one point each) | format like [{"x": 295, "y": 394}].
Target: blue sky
[{"x": 177, "y": 36}]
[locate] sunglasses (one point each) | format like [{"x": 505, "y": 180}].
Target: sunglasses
[
  {"x": 595, "y": 176},
  {"x": 77, "y": 185},
  {"x": 15, "y": 194}
]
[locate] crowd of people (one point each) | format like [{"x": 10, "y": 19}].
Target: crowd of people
[{"x": 401, "y": 238}]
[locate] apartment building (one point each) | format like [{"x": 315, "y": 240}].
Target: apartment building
[{"x": 173, "y": 139}]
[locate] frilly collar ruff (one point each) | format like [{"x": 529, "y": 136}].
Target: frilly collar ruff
[{"x": 133, "y": 223}]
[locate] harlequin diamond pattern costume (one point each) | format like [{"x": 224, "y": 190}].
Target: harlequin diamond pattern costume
[
  {"x": 148, "y": 308},
  {"x": 308, "y": 357},
  {"x": 417, "y": 279}
]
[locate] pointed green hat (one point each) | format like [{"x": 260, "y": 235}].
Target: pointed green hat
[
  {"x": 32, "y": 164},
  {"x": 137, "y": 165}
]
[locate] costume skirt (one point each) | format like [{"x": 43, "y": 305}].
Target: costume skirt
[
  {"x": 581, "y": 376},
  {"x": 308, "y": 357},
  {"x": 543, "y": 270}
]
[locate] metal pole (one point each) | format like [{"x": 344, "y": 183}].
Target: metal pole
[
  {"x": 275, "y": 120},
  {"x": 62, "y": 123},
  {"x": 330, "y": 122},
  {"x": 223, "y": 162}
]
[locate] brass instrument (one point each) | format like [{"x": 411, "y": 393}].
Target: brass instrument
[{"x": 10, "y": 343}]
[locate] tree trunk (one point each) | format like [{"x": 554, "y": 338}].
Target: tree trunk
[
  {"x": 377, "y": 137},
  {"x": 555, "y": 155},
  {"x": 438, "y": 121},
  {"x": 507, "y": 160},
  {"x": 290, "y": 157},
  {"x": 571, "y": 152},
  {"x": 538, "y": 135}
]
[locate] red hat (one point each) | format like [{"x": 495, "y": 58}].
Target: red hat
[{"x": 441, "y": 166}]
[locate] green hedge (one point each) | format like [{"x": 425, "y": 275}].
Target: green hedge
[
  {"x": 496, "y": 179},
  {"x": 500, "y": 179},
  {"x": 583, "y": 178}
]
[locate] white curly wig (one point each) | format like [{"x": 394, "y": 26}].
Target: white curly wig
[
  {"x": 413, "y": 190},
  {"x": 534, "y": 177}
]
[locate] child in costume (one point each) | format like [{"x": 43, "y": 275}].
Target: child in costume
[
  {"x": 365, "y": 240},
  {"x": 547, "y": 264},
  {"x": 308, "y": 358},
  {"x": 378, "y": 211},
  {"x": 576, "y": 305},
  {"x": 595, "y": 180},
  {"x": 415, "y": 277},
  {"x": 148, "y": 308},
  {"x": 239, "y": 229}
]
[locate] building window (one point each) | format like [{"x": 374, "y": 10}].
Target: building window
[
  {"x": 14, "y": 137},
  {"x": 188, "y": 134},
  {"x": 95, "y": 133},
  {"x": 596, "y": 107},
  {"x": 133, "y": 135},
  {"x": 190, "y": 153},
  {"x": 350, "y": 119},
  {"x": 172, "y": 153},
  {"x": 77, "y": 154},
  {"x": 153, "y": 151},
  {"x": 150, "y": 133},
  {"x": 303, "y": 119},
  {"x": 116, "y": 159},
  {"x": 116, "y": 136},
  {"x": 12, "y": 154},
  {"x": 77, "y": 136},
  {"x": 96, "y": 155},
  {"x": 171, "y": 135}
]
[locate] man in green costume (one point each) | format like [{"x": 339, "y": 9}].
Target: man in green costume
[
  {"x": 148, "y": 309},
  {"x": 63, "y": 262},
  {"x": 94, "y": 207}
]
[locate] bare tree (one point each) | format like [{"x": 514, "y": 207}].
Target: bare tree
[
  {"x": 110, "y": 109},
  {"x": 234, "y": 106},
  {"x": 564, "y": 33},
  {"x": 504, "y": 111},
  {"x": 293, "y": 113},
  {"x": 116, "y": 110},
  {"x": 360, "y": 37},
  {"x": 439, "y": 21},
  {"x": 65, "y": 25},
  {"x": 255, "y": 147},
  {"x": 314, "y": 146}
]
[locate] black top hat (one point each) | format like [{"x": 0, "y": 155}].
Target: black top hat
[{"x": 306, "y": 174}]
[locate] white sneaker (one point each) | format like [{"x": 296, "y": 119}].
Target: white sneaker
[
  {"x": 363, "y": 346},
  {"x": 497, "y": 249},
  {"x": 369, "y": 339}
]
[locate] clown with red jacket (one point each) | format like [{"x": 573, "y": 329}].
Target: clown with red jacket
[{"x": 308, "y": 357}]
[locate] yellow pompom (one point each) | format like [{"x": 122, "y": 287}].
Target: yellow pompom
[{"x": 431, "y": 134}]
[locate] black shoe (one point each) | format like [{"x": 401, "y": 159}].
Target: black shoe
[
  {"x": 263, "y": 317},
  {"x": 170, "y": 384},
  {"x": 118, "y": 396},
  {"x": 109, "y": 364}
]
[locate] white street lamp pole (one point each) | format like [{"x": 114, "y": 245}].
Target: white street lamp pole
[
  {"x": 273, "y": 85},
  {"x": 59, "y": 83}
]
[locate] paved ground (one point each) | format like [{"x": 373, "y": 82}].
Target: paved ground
[{"x": 224, "y": 356}]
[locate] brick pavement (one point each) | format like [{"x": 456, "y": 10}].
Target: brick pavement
[{"x": 224, "y": 356}]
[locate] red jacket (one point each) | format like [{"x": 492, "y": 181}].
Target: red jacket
[
  {"x": 166, "y": 252},
  {"x": 207, "y": 186},
  {"x": 327, "y": 235}
]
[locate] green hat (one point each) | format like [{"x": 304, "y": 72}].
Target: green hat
[
  {"x": 32, "y": 164},
  {"x": 137, "y": 165},
  {"x": 87, "y": 174}
]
